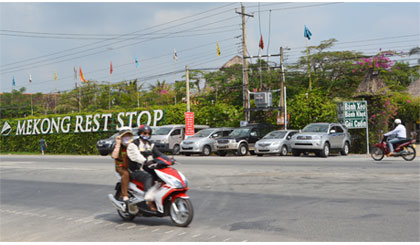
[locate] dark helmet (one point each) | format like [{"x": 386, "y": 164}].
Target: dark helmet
[{"x": 143, "y": 128}]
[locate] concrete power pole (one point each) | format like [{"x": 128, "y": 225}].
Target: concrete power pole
[
  {"x": 281, "y": 83},
  {"x": 245, "y": 64},
  {"x": 187, "y": 78}
]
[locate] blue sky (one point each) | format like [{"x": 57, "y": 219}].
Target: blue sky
[{"x": 395, "y": 26}]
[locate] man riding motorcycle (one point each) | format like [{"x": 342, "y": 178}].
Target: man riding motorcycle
[
  {"x": 142, "y": 152},
  {"x": 399, "y": 132}
]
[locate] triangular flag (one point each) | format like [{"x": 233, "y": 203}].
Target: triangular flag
[
  {"x": 137, "y": 62},
  {"x": 30, "y": 78},
  {"x": 261, "y": 43},
  {"x": 82, "y": 78},
  {"x": 307, "y": 33},
  {"x": 175, "y": 56},
  {"x": 110, "y": 69},
  {"x": 13, "y": 81},
  {"x": 218, "y": 49},
  {"x": 75, "y": 73},
  {"x": 55, "y": 75}
]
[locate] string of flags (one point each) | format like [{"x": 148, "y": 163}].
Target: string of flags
[{"x": 79, "y": 74}]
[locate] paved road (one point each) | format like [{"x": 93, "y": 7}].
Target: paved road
[{"x": 277, "y": 199}]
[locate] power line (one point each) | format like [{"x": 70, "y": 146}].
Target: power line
[{"x": 149, "y": 28}]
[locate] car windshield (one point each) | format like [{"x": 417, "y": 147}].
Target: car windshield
[
  {"x": 323, "y": 128},
  {"x": 240, "y": 132},
  {"x": 203, "y": 133},
  {"x": 275, "y": 135},
  {"x": 161, "y": 131}
]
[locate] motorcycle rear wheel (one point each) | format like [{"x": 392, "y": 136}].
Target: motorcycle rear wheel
[
  {"x": 409, "y": 153},
  {"x": 377, "y": 153},
  {"x": 124, "y": 215},
  {"x": 183, "y": 214}
]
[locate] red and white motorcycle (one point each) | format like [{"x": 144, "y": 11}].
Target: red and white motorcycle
[{"x": 170, "y": 196}]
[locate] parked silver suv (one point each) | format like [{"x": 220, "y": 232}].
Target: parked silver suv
[
  {"x": 321, "y": 138},
  {"x": 203, "y": 141}
]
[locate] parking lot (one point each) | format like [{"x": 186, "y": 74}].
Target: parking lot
[{"x": 276, "y": 199}]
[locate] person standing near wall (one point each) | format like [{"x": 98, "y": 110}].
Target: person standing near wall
[{"x": 43, "y": 145}]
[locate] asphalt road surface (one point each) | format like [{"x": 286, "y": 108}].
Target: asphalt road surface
[{"x": 235, "y": 199}]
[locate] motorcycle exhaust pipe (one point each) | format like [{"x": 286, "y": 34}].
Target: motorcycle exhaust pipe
[{"x": 117, "y": 204}]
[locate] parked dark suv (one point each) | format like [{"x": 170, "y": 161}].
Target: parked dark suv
[{"x": 242, "y": 140}]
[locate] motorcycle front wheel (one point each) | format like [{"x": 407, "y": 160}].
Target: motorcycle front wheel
[
  {"x": 181, "y": 212},
  {"x": 409, "y": 153},
  {"x": 124, "y": 215},
  {"x": 377, "y": 153}
]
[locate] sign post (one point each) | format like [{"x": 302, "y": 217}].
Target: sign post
[
  {"x": 354, "y": 114},
  {"x": 189, "y": 124}
]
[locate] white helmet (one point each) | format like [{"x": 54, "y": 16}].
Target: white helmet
[{"x": 397, "y": 121}]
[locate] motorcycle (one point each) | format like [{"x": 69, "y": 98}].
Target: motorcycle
[
  {"x": 405, "y": 148},
  {"x": 170, "y": 196}
]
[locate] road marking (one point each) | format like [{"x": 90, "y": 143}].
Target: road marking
[
  {"x": 130, "y": 227},
  {"x": 244, "y": 240},
  {"x": 69, "y": 218},
  {"x": 227, "y": 239},
  {"x": 169, "y": 231},
  {"x": 120, "y": 225},
  {"x": 99, "y": 222},
  {"x": 196, "y": 235},
  {"x": 213, "y": 236},
  {"x": 142, "y": 228},
  {"x": 182, "y": 233},
  {"x": 155, "y": 230},
  {"x": 43, "y": 215}
]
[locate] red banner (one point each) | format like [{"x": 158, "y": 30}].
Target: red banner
[{"x": 189, "y": 123}]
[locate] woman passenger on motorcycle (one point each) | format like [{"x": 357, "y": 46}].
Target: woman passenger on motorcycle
[{"x": 121, "y": 160}]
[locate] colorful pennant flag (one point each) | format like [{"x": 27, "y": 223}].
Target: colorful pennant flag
[
  {"x": 110, "y": 69},
  {"x": 13, "y": 81},
  {"x": 175, "y": 56},
  {"x": 55, "y": 75},
  {"x": 137, "y": 62},
  {"x": 82, "y": 78},
  {"x": 261, "y": 43},
  {"x": 75, "y": 73},
  {"x": 218, "y": 49},
  {"x": 30, "y": 78},
  {"x": 307, "y": 33}
]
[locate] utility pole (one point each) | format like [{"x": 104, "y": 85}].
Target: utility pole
[
  {"x": 187, "y": 75},
  {"x": 245, "y": 64},
  {"x": 109, "y": 96},
  {"x": 281, "y": 84}
]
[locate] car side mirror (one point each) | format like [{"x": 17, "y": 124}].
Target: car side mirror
[
  {"x": 332, "y": 131},
  {"x": 253, "y": 134},
  {"x": 288, "y": 137}
]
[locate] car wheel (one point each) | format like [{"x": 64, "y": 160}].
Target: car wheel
[
  {"x": 295, "y": 153},
  {"x": 176, "y": 149},
  {"x": 242, "y": 150},
  {"x": 206, "y": 150},
  {"x": 326, "y": 150},
  {"x": 103, "y": 153},
  {"x": 283, "y": 151},
  {"x": 346, "y": 149}
]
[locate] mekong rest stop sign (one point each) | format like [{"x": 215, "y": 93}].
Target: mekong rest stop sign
[
  {"x": 189, "y": 123},
  {"x": 353, "y": 114}
]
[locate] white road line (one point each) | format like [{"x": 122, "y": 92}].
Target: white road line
[
  {"x": 244, "y": 240},
  {"x": 43, "y": 215},
  {"x": 120, "y": 225},
  {"x": 227, "y": 239},
  {"x": 155, "y": 230},
  {"x": 130, "y": 227},
  {"x": 182, "y": 233},
  {"x": 69, "y": 218},
  {"x": 214, "y": 236},
  {"x": 196, "y": 235},
  {"x": 169, "y": 231},
  {"x": 99, "y": 222}
]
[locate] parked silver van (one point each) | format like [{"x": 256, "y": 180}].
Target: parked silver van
[
  {"x": 168, "y": 138},
  {"x": 203, "y": 141}
]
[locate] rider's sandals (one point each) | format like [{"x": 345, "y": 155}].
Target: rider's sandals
[{"x": 152, "y": 206}]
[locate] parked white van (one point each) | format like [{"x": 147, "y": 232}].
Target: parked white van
[{"x": 168, "y": 138}]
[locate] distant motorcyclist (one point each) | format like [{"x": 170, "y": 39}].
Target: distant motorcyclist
[
  {"x": 141, "y": 153},
  {"x": 399, "y": 132}
]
